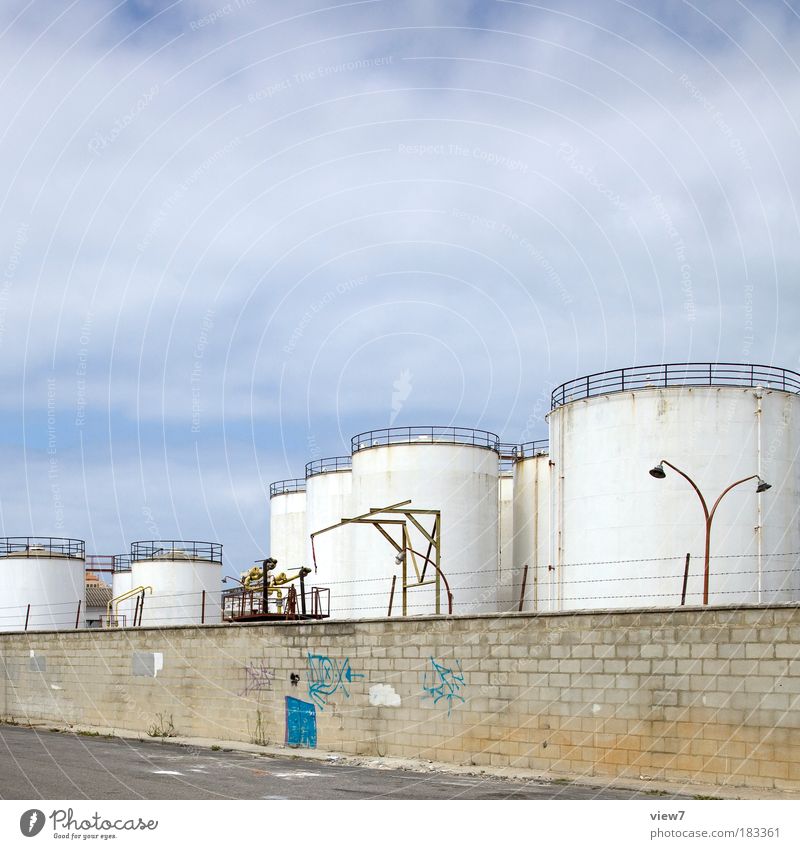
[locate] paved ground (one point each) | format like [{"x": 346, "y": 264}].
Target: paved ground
[{"x": 41, "y": 764}]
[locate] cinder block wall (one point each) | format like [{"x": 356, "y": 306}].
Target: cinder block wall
[{"x": 689, "y": 695}]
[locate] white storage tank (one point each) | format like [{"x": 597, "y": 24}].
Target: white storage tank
[
  {"x": 329, "y": 484},
  {"x": 44, "y": 583},
  {"x": 451, "y": 469},
  {"x": 620, "y": 535},
  {"x": 505, "y": 535},
  {"x": 287, "y": 523},
  {"x": 120, "y": 584},
  {"x": 185, "y": 577},
  {"x": 532, "y": 526}
]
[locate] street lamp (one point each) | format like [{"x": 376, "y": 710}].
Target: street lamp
[{"x": 658, "y": 472}]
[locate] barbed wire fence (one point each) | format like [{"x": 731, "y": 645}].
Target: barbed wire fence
[{"x": 583, "y": 586}]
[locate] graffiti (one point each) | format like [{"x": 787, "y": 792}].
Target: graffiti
[
  {"x": 301, "y": 723},
  {"x": 441, "y": 682},
  {"x": 257, "y": 678},
  {"x": 326, "y": 676},
  {"x": 294, "y": 678}
]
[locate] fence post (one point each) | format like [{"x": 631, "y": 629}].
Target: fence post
[
  {"x": 203, "y": 609},
  {"x": 522, "y": 589},
  {"x": 27, "y": 616},
  {"x": 78, "y": 614},
  {"x": 685, "y": 579}
]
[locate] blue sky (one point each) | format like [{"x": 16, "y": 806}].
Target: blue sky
[{"x": 230, "y": 231}]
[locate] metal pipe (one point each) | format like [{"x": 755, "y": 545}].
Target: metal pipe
[
  {"x": 302, "y": 592},
  {"x": 203, "y": 609},
  {"x": 78, "y": 614},
  {"x": 759, "y": 536},
  {"x": 27, "y": 616}
]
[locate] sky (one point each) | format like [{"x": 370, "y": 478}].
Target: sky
[{"x": 235, "y": 234}]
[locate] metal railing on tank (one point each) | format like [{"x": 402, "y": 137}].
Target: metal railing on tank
[
  {"x": 533, "y": 449},
  {"x": 122, "y": 563},
  {"x": 421, "y": 435},
  {"x": 176, "y": 549},
  {"x": 42, "y": 547},
  {"x": 329, "y": 464},
  {"x": 289, "y": 485},
  {"x": 675, "y": 374}
]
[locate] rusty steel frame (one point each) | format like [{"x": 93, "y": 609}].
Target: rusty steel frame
[{"x": 431, "y": 558}]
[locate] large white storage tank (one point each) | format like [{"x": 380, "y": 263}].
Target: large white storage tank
[
  {"x": 329, "y": 485},
  {"x": 44, "y": 583},
  {"x": 451, "y": 469},
  {"x": 532, "y": 526},
  {"x": 505, "y": 537},
  {"x": 620, "y": 535},
  {"x": 121, "y": 583},
  {"x": 287, "y": 523},
  {"x": 185, "y": 577}
]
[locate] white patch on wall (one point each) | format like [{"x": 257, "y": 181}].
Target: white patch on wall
[
  {"x": 147, "y": 664},
  {"x": 383, "y": 695}
]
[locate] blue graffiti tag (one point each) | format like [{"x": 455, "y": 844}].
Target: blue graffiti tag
[
  {"x": 326, "y": 676},
  {"x": 443, "y": 683}
]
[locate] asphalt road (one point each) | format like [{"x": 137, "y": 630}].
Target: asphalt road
[{"x": 40, "y": 764}]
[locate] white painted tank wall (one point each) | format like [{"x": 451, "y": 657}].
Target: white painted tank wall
[
  {"x": 121, "y": 583},
  {"x": 177, "y": 590},
  {"x": 287, "y": 530},
  {"x": 608, "y": 508},
  {"x": 328, "y": 500},
  {"x": 459, "y": 480},
  {"x": 505, "y": 532},
  {"x": 51, "y": 585},
  {"x": 532, "y": 531}
]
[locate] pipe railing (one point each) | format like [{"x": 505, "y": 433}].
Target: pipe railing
[
  {"x": 329, "y": 464},
  {"x": 675, "y": 375},
  {"x": 425, "y": 434}
]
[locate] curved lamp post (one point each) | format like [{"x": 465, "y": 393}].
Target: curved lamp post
[{"x": 658, "y": 472}]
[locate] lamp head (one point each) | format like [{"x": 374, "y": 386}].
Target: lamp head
[
  {"x": 763, "y": 486},
  {"x": 401, "y": 556},
  {"x": 658, "y": 471}
]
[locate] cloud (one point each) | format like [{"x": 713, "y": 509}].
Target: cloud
[{"x": 251, "y": 220}]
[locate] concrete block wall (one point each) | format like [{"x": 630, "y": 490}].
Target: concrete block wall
[{"x": 689, "y": 695}]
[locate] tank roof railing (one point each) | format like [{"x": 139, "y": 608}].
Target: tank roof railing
[
  {"x": 427, "y": 434},
  {"x": 533, "y": 449},
  {"x": 42, "y": 547},
  {"x": 289, "y": 485},
  {"x": 176, "y": 549},
  {"x": 122, "y": 563},
  {"x": 329, "y": 464},
  {"x": 675, "y": 375}
]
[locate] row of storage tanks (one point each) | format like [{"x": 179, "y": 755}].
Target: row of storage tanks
[
  {"x": 172, "y": 582},
  {"x": 575, "y": 521}
]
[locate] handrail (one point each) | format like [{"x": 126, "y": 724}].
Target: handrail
[
  {"x": 176, "y": 549},
  {"x": 675, "y": 374},
  {"x": 122, "y": 597},
  {"x": 329, "y": 464},
  {"x": 533, "y": 449},
  {"x": 42, "y": 547},
  {"x": 122, "y": 563},
  {"x": 431, "y": 434},
  {"x": 289, "y": 485}
]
